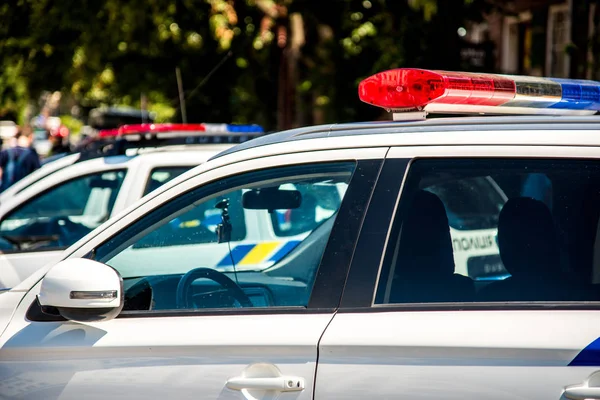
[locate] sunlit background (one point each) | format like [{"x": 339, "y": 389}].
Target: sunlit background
[{"x": 277, "y": 63}]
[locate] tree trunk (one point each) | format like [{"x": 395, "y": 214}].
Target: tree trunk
[{"x": 579, "y": 38}]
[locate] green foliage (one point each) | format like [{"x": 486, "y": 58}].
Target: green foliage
[{"x": 229, "y": 52}]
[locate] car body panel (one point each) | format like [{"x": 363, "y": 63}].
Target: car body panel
[
  {"x": 525, "y": 351},
  {"x": 188, "y": 354},
  {"x": 454, "y": 354}
]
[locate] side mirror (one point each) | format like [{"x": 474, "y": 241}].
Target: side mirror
[{"x": 82, "y": 290}]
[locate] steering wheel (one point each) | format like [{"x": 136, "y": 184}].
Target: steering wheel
[{"x": 185, "y": 284}]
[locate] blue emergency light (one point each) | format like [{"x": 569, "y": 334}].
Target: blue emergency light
[{"x": 245, "y": 128}]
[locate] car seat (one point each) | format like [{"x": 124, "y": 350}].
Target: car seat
[
  {"x": 530, "y": 253},
  {"x": 425, "y": 264}
]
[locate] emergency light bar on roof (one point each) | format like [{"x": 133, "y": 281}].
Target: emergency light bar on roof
[
  {"x": 407, "y": 89},
  {"x": 117, "y": 141},
  {"x": 185, "y": 133},
  {"x": 205, "y": 127}
]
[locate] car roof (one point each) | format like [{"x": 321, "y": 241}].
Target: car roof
[
  {"x": 446, "y": 124},
  {"x": 214, "y": 147}
]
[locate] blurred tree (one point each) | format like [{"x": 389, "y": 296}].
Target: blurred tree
[
  {"x": 348, "y": 40},
  {"x": 280, "y": 63}
]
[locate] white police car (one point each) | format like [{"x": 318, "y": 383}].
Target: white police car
[
  {"x": 370, "y": 301},
  {"x": 61, "y": 202}
]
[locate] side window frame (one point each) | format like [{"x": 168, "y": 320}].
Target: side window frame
[
  {"x": 37, "y": 196},
  {"x": 333, "y": 268},
  {"x": 373, "y": 247}
]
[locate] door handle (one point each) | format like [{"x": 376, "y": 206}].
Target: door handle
[
  {"x": 582, "y": 392},
  {"x": 279, "y": 384}
]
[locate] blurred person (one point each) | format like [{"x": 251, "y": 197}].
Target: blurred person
[{"x": 19, "y": 161}]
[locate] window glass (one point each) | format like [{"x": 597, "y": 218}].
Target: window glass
[
  {"x": 494, "y": 230},
  {"x": 62, "y": 215},
  {"x": 215, "y": 247},
  {"x": 469, "y": 202},
  {"x": 318, "y": 204},
  {"x": 160, "y": 176}
]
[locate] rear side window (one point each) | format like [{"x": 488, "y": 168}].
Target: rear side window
[
  {"x": 494, "y": 230},
  {"x": 161, "y": 175}
]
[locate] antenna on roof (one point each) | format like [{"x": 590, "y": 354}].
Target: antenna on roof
[
  {"x": 143, "y": 106},
  {"x": 181, "y": 95}
]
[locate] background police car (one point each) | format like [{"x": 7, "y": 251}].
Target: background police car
[
  {"x": 67, "y": 198},
  {"x": 336, "y": 317}
]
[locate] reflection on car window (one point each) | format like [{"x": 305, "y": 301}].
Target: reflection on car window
[
  {"x": 495, "y": 230},
  {"x": 198, "y": 225},
  {"x": 215, "y": 247},
  {"x": 160, "y": 176},
  {"x": 471, "y": 203},
  {"x": 62, "y": 215},
  {"x": 319, "y": 202}
]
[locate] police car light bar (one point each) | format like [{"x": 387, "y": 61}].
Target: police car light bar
[
  {"x": 409, "y": 89},
  {"x": 140, "y": 129},
  {"x": 139, "y": 136},
  {"x": 191, "y": 133},
  {"x": 106, "y": 133}
]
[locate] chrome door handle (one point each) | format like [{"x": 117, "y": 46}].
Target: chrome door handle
[
  {"x": 582, "y": 392},
  {"x": 279, "y": 384}
]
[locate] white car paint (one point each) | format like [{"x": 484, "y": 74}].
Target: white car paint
[
  {"x": 185, "y": 357},
  {"x": 495, "y": 354},
  {"x": 154, "y": 357},
  {"x": 16, "y": 266}
]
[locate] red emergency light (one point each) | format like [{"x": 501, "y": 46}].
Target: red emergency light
[
  {"x": 159, "y": 128},
  {"x": 407, "y": 88},
  {"x": 104, "y": 133}
]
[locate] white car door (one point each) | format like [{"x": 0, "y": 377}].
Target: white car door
[
  {"x": 252, "y": 336},
  {"x": 410, "y": 325},
  {"x": 40, "y": 222}
]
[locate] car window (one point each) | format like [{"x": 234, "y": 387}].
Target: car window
[
  {"x": 161, "y": 175},
  {"x": 494, "y": 230},
  {"x": 471, "y": 203},
  {"x": 215, "y": 247},
  {"x": 319, "y": 203},
  {"x": 63, "y": 214}
]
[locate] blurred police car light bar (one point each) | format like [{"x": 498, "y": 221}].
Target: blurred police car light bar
[
  {"x": 150, "y": 135},
  {"x": 178, "y": 130},
  {"x": 408, "y": 89}
]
